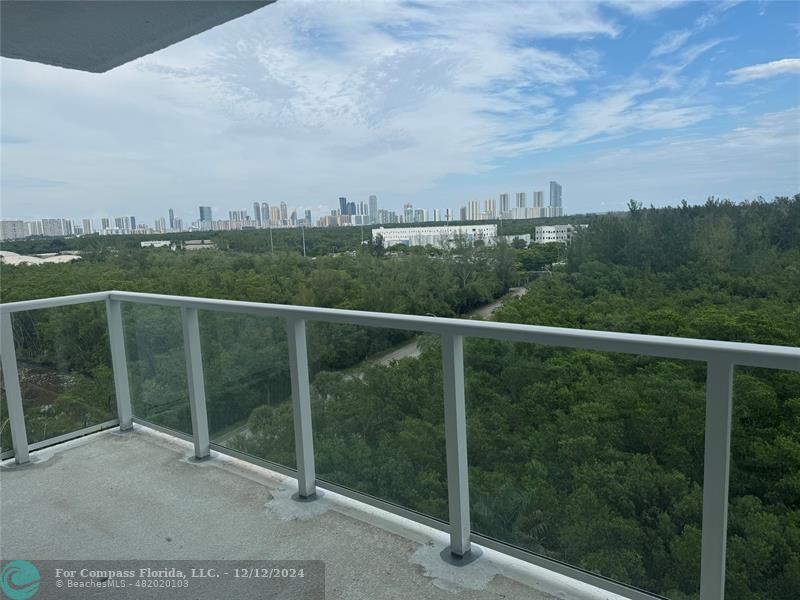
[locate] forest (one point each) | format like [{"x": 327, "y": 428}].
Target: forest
[{"x": 594, "y": 459}]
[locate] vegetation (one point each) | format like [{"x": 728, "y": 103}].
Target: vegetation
[{"x": 592, "y": 458}]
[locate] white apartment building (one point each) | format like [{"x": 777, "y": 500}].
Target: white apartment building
[
  {"x": 548, "y": 234},
  {"x": 441, "y": 236},
  {"x": 12, "y": 229}
]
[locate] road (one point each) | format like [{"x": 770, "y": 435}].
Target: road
[{"x": 411, "y": 347}]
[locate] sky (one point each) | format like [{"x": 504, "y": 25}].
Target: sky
[{"x": 434, "y": 103}]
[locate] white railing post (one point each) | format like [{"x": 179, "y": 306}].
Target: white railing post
[
  {"x": 301, "y": 406},
  {"x": 119, "y": 364},
  {"x": 455, "y": 429},
  {"x": 16, "y": 414},
  {"x": 716, "y": 473},
  {"x": 196, "y": 382}
]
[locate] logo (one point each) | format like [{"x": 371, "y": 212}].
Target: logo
[{"x": 19, "y": 580}]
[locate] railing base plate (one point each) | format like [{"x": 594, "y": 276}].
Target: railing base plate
[
  {"x": 461, "y": 561},
  {"x": 316, "y": 496},
  {"x": 35, "y": 460}
]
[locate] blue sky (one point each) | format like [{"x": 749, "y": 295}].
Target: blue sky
[{"x": 434, "y": 103}]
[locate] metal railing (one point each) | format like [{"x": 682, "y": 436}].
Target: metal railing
[{"x": 720, "y": 357}]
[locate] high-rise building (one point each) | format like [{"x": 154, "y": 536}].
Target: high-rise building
[
  {"x": 12, "y": 229},
  {"x": 274, "y": 215},
  {"x": 342, "y": 205},
  {"x": 490, "y": 208},
  {"x": 205, "y": 213},
  {"x": 437, "y": 215},
  {"x": 538, "y": 199},
  {"x": 105, "y": 223},
  {"x": 132, "y": 221},
  {"x": 308, "y": 217},
  {"x": 284, "y": 213},
  {"x": 66, "y": 226},
  {"x": 52, "y": 227},
  {"x": 373, "y": 208},
  {"x": 257, "y": 213},
  {"x": 473, "y": 210},
  {"x": 555, "y": 199},
  {"x": 505, "y": 205},
  {"x": 33, "y": 228},
  {"x": 408, "y": 212},
  {"x": 522, "y": 199},
  {"x": 171, "y": 219},
  {"x": 419, "y": 215},
  {"x": 178, "y": 224},
  {"x": 88, "y": 229},
  {"x": 463, "y": 213},
  {"x": 351, "y": 208},
  {"x": 264, "y": 214}
]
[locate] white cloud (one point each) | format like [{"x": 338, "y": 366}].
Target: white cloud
[
  {"x": 765, "y": 70},
  {"x": 643, "y": 8},
  {"x": 670, "y": 42},
  {"x": 760, "y": 157}
]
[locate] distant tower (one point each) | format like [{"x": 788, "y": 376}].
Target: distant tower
[
  {"x": 555, "y": 199},
  {"x": 342, "y": 205},
  {"x": 522, "y": 200},
  {"x": 505, "y": 203},
  {"x": 171, "y": 219},
  {"x": 257, "y": 213},
  {"x": 264, "y": 214},
  {"x": 205, "y": 213},
  {"x": 284, "y": 212},
  {"x": 373, "y": 209},
  {"x": 490, "y": 206},
  {"x": 473, "y": 210}
]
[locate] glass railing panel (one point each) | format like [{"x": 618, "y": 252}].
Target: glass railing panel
[
  {"x": 64, "y": 366},
  {"x": 5, "y": 425},
  {"x": 157, "y": 365},
  {"x": 378, "y": 414},
  {"x": 763, "y": 556},
  {"x": 248, "y": 385},
  {"x": 593, "y": 459}
]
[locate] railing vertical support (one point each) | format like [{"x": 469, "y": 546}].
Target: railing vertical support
[
  {"x": 301, "y": 405},
  {"x": 16, "y": 414},
  {"x": 196, "y": 382},
  {"x": 455, "y": 428},
  {"x": 119, "y": 364},
  {"x": 716, "y": 473}
]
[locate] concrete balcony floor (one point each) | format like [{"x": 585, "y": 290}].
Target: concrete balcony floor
[{"x": 138, "y": 496}]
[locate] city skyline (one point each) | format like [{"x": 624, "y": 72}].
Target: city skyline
[
  {"x": 265, "y": 215},
  {"x": 368, "y": 206},
  {"x": 653, "y": 101}
]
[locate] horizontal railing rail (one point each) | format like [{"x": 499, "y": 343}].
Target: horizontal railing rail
[
  {"x": 739, "y": 353},
  {"x": 720, "y": 357}
]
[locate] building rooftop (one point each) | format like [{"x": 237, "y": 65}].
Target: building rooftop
[{"x": 137, "y": 495}]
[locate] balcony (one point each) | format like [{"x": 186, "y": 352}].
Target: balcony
[{"x": 215, "y": 493}]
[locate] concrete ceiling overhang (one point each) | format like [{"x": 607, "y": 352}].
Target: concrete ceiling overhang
[{"x": 99, "y": 35}]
